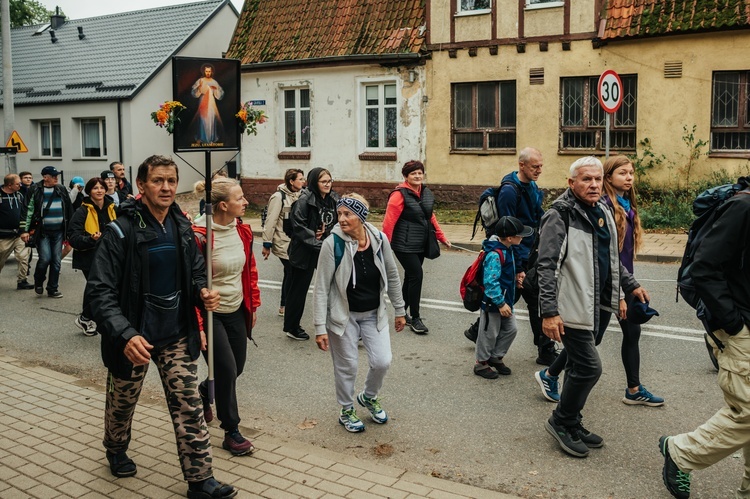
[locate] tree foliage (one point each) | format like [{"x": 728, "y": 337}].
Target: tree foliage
[{"x": 28, "y": 12}]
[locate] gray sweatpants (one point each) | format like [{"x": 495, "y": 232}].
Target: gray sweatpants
[
  {"x": 496, "y": 334},
  {"x": 345, "y": 355}
]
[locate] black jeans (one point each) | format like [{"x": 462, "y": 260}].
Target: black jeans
[
  {"x": 285, "y": 281},
  {"x": 532, "y": 305},
  {"x": 411, "y": 289},
  {"x": 582, "y": 370},
  {"x": 299, "y": 282},
  {"x": 230, "y": 353}
]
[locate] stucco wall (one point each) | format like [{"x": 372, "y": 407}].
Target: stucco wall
[{"x": 337, "y": 121}]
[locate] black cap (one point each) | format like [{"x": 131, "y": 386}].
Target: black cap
[
  {"x": 108, "y": 174},
  {"x": 50, "y": 170},
  {"x": 638, "y": 311},
  {"x": 511, "y": 226}
]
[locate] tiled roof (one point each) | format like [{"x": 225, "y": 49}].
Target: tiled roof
[
  {"x": 119, "y": 53},
  {"x": 288, "y": 30},
  {"x": 639, "y": 18}
]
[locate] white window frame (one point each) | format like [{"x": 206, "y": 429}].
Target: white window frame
[
  {"x": 49, "y": 123},
  {"x": 102, "y": 122},
  {"x": 298, "y": 109},
  {"x": 381, "y": 106},
  {"x": 470, "y": 12},
  {"x": 543, "y": 4}
]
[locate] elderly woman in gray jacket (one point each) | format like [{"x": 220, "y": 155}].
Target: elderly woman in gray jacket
[{"x": 355, "y": 267}]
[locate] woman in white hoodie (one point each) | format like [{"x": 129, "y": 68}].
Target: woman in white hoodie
[{"x": 356, "y": 266}]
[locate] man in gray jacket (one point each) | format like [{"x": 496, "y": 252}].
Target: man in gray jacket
[{"x": 580, "y": 276}]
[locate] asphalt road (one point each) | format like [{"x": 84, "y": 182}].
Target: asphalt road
[{"x": 444, "y": 420}]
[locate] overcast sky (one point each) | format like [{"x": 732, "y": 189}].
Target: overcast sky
[{"x": 79, "y": 9}]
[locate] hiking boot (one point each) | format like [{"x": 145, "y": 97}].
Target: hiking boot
[
  {"x": 499, "y": 366},
  {"x": 235, "y": 443},
  {"x": 549, "y": 385},
  {"x": 473, "y": 331},
  {"x": 121, "y": 465},
  {"x": 210, "y": 489},
  {"x": 485, "y": 371},
  {"x": 592, "y": 440},
  {"x": 54, "y": 294},
  {"x": 547, "y": 355},
  {"x": 298, "y": 334},
  {"x": 567, "y": 438},
  {"x": 373, "y": 405},
  {"x": 642, "y": 397},
  {"x": 418, "y": 326},
  {"x": 208, "y": 412},
  {"x": 87, "y": 325},
  {"x": 348, "y": 418},
  {"x": 24, "y": 285},
  {"x": 676, "y": 481}
]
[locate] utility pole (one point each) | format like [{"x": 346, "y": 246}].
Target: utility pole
[{"x": 8, "y": 109}]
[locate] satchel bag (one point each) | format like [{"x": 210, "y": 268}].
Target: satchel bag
[{"x": 432, "y": 250}]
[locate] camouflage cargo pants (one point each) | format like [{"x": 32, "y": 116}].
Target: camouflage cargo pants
[{"x": 179, "y": 377}]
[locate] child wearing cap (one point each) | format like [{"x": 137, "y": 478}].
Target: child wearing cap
[{"x": 497, "y": 324}]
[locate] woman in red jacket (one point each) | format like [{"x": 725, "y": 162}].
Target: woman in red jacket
[{"x": 235, "y": 276}]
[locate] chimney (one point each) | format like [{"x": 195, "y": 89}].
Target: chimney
[
  {"x": 56, "y": 20},
  {"x": 52, "y": 35}
]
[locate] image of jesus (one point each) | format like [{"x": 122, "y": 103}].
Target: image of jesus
[{"x": 207, "y": 121}]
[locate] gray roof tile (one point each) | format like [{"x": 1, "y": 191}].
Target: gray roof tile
[{"x": 119, "y": 53}]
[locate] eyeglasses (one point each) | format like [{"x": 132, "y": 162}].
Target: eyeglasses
[
  {"x": 325, "y": 182},
  {"x": 534, "y": 167}
]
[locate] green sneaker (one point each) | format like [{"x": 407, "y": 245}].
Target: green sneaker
[
  {"x": 373, "y": 405},
  {"x": 348, "y": 418}
]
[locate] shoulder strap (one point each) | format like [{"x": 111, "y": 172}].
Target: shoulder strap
[
  {"x": 518, "y": 189},
  {"x": 338, "y": 250}
]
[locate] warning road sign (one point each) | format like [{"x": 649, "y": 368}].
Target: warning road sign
[{"x": 15, "y": 141}]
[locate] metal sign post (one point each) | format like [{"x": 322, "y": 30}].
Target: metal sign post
[{"x": 610, "y": 99}]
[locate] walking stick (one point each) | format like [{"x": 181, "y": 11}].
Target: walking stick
[{"x": 209, "y": 275}]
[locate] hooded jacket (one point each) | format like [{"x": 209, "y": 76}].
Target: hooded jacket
[
  {"x": 274, "y": 236},
  {"x": 499, "y": 278},
  {"x": 87, "y": 220},
  {"x": 330, "y": 302},
  {"x": 114, "y": 289},
  {"x": 308, "y": 214},
  {"x": 569, "y": 282},
  {"x": 525, "y": 203}
]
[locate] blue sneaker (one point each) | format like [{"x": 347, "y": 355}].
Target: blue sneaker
[
  {"x": 676, "y": 480},
  {"x": 349, "y": 420},
  {"x": 373, "y": 405},
  {"x": 642, "y": 397},
  {"x": 549, "y": 385}
]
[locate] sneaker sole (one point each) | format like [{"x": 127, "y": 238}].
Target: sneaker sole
[
  {"x": 628, "y": 401},
  {"x": 544, "y": 391},
  {"x": 353, "y": 430},
  {"x": 564, "y": 447},
  {"x": 90, "y": 333},
  {"x": 419, "y": 331},
  {"x": 372, "y": 416},
  {"x": 290, "y": 335},
  {"x": 238, "y": 453}
]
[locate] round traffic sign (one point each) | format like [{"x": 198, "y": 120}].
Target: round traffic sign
[{"x": 610, "y": 91}]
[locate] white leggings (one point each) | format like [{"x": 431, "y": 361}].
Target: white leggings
[{"x": 345, "y": 355}]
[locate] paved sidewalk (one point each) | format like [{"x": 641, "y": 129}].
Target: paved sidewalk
[{"x": 51, "y": 431}]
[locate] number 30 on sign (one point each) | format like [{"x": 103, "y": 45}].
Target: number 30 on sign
[{"x": 610, "y": 91}]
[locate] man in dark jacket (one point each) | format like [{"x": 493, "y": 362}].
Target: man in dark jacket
[
  {"x": 146, "y": 280},
  {"x": 123, "y": 186},
  {"x": 47, "y": 212},
  {"x": 721, "y": 273},
  {"x": 11, "y": 204}
]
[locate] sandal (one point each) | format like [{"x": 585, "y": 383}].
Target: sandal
[
  {"x": 211, "y": 489},
  {"x": 121, "y": 465}
]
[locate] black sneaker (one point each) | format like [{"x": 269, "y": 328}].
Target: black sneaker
[
  {"x": 567, "y": 438},
  {"x": 499, "y": 366},
  {"x": 407, "y": 318},
  {"x": 54, "y": 294},
  {"x": 547, "y": 355},
  {"x": 485, "y": 371},
  {"x": 473, "y": 331},
  {"x": 38, "y": 289},
  {"x": 298, "y": 334},
  {"x": 592, "y": 440},
  {"x": 677, "y": 482},
  {"x": 418, "y": 326},
  {"x": 24, "y": 285}
]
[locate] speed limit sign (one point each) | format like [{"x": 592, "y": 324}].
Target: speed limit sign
[{"x": 610, "y": 91}]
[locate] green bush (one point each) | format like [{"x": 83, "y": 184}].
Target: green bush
[{"x": 667, "y": 210}]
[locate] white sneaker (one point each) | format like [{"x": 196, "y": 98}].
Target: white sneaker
[{"x": 87, "y": 326}]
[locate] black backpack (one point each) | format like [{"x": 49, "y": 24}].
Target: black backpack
[
  {"x": 286, "y": 224},
  {"x": 531, "y": 281},
  {"x": 705, "y": 207}
]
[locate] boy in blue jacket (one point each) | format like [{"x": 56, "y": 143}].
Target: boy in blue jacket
[{"x": 497, "y": 324}]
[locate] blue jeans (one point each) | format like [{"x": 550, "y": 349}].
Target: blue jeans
[{"x": 49, "y": 248}]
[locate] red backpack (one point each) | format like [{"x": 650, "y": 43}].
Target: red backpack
[{"x": 472, "y": 283}]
